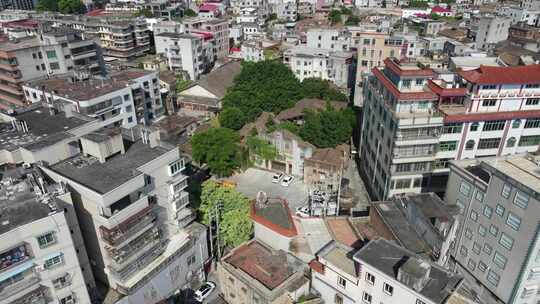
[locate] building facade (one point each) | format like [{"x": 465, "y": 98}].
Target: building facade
[{"x": 497, "y": 247}]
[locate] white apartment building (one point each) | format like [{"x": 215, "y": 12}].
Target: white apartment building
[
  {"x": 530, "y": 5},
  {"x": 129, "y": 193},
  {"x": 123, "y": 99},
  {"x": 328, "y": 39},
  {"x": 381, "y": 272},
  {"x": 414, "y": 123},
  {"x": 262, "y": 6},
  {"x": 306, "y": 62},
  {"x": 218, "y": 28},
  {"x": 191, "y": 53},
  {"x": 520, "y": 14},
  {"x": 497, "y": 248},
  {"x": 252, "y": 50},
  {"x": 491, "y": 29},
  {"x": 286, "y": 10},
  {"x": 42, "y": 256}
]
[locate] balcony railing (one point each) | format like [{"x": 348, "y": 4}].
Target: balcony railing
[
  {"x": 35, "y": 296},
  {"x": 13, "y": 257},
  {"x": 119, "y": 236},
  {"x": 30, "y": 279},
  {"x": 110, "y": 222}
]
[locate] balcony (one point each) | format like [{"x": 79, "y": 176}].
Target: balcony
[
  {"x": 121, "y": 258},
  {"x": 185, "y": 216},
  {"x": 119, "y": 217},
  {"x": 119, "y": 237},
  {"x": 83, "y": 54},
  {"x": 11, "y": 89},
  {"x": 35, "y": 296},
  {"x": 14, "y": 257},
  {"x": 30, "y": 278},
  {"x": 141, "y": 262}
]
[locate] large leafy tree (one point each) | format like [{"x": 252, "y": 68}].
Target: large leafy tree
[
  {"x": 334, "y": 16},
  {"x": 321, "y": 89},
  {"x": 233, "y": 209},
  {"x": 71, "y": 6},
  {"x": 232, "y": 118},
  {"x": 47, "y": 5},
  {"x": 328, "y": 128},
  {"x": 263, "y": 86},
  {"x": 218, "y": 148}
]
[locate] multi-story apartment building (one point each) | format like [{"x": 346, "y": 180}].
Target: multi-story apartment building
[
  {"x": 123, "y": 99},
  {"x": 18, "y": 4},
  {"x": 262, "y": 6},
  {"x": 129, "y": 194},
  {"x": 491, "y": 29},
  {"x": 42, "y": 256},
  {"x": 218, "y": 28},
  {"x": 54, "y": 52},
  {"x": 497, "y": 247},
  {"x": 382, "y": 272},
  {"x": 124, "y": 38},
  {"x": 530, "y": 5},
  {"x": 414, "y": 123},
  {"x": 192, "y": 53},
  {"x": 286, "y": 10},
  {"x": 306, "y": 62},
  {"x": 333, "y": 39}
]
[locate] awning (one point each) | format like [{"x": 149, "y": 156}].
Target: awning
[{"x": 17, "y": 270}]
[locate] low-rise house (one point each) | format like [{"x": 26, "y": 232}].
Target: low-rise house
[
  {"x": 257, "y": 273},
  {"x": 324, "y": 169},
  {"x": 203, "y": 98},
  {"x": 296, "y": 114}
]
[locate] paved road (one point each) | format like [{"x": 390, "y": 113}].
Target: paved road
[{"x": 254, "y": 180}]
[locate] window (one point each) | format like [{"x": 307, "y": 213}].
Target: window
[
  {"x": 488, "y": 211},
  {"x": 479, "y": 196},
  {"x": 493, "y": 230},
  {"x": 471, "y": 264},
  {"x": 468, "y": 233},
  {"x": 51, "y": 54},
  {"x": 465, "y": 188},
  {"x": 506, "y": 190},
  {"x": 474, "y": 215},
  {"x": 494, "y": 125},
  {"x": 54, "y": 261},
  {"x": 54, "y": 66},
  {"x": 461, "y": 206},
  {"x": 532, "y": 85},
  {"x": 489, "y": 143},
  {"x": 370, "y": 278},
  {"x": 366, "y": 297},
  {"x": 60, "y": 282},
  {"x": 474, "y": 127},
  {"x": 46, "y": 240},
  {"x": 499, "y": 210},
  {"x": 463, "y": 251},
  {"x": 418, "y": 301},
  {"x": 506, "y": 241},
  {"x": 388, "y": 289},
  {"x": 489, "y": 102},
  {"x": 511, "y": 142},
  {"x": 191, "y": 260},
  {"x": 452, "y": 128},
  {"x": 493, "y": 278},
  {"x": 532, "y": 101},
  {"x": 516, "y": 123},
  {"x": 499, "y": 260},
  {"x": 482, "y": 266},
  {"x": 476, "y": 248},
  {"x": 341, "y": 282},
  {"x": 489, "y": 87},
  {"x": 338, "y": 299},
  {"x": 487, "y": 249},
  {"x": 531, "y": 140},
  {"x": 176, "y": 167},
  {"x": 521, "y": 200},
  {"x": 532, "y": 123},
  {"x": 448, "y": 145},
  {"x": 482, "y": 230},
  {"x": 67, "y": 300},
  {"x": 469, "y": 145},
  {"x": 513, "y": 221}
]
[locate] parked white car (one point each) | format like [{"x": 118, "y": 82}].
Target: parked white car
[
  {"x": 302, "y": 212},
  {"x": 277, "y": 177},
  {"x": 204, "y": 291},
  {"x": 287, "y": 180}
]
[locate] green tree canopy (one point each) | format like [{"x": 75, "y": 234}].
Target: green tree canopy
[
  {"x": 190, "y": 13},
  {"x": 235, "y": 225},
  {"x": 47, "y": 5},
  {"x": 321, "y": 89},
  {"x": 328, "y": 128},
  {"x": 71, "y": 6},
  {"x": 352, "y": 20},
  {"x": 334, "y": 16},
  {"x": 263, "y": 86},
  {"x": 261, "y": 148},
  {"x": 232, "y": 118},
  {"x": 218, "y": 148}
]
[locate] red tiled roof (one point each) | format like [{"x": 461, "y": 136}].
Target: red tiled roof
[
  {"x": 446, "y": 92},
  {"x": 392, "y": 65},
  {"x": 503, "y": 75},
  {"x": 208, "y": 7},
  {"x": 263, "y": 264},
  {"x": 440, "y": 9},
  {"x": 402, "y": 96},
  {"x": 343, "y": 232},
  {"x": 205, "y": 35},
  {"x": 96, "y": 12},
  {"x": 317, "y": 266},
  {"x": 491, "y": 116}
]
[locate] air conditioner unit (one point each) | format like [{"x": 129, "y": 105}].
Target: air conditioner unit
[{"x": 40, "y": 268}]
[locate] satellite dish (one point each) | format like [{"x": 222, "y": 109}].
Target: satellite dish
[{"x": 262, "y": 199}]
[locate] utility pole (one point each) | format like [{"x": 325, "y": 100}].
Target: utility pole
[{"x": 217, "y": 232}]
